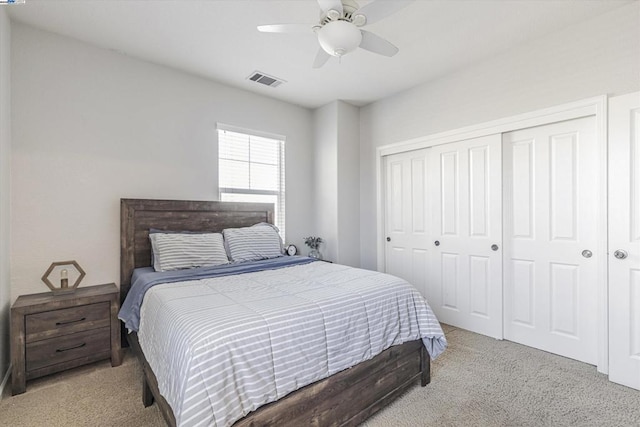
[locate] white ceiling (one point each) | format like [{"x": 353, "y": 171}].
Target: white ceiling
[{"x": 218, "y": 39}]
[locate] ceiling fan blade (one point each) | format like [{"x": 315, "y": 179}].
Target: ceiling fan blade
[
  {"x": 377, "y": 44},
  {"x": 321, "y": 58},
  {"x": 286, "y": 28},
  {"x": 380, "y": 9},
  {"x": 327, "y": 5}
]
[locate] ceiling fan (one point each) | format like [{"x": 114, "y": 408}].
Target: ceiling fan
[{"x": 339, "y": 30}]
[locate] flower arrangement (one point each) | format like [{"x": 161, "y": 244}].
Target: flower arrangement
[{"x": 313, "y": 242}]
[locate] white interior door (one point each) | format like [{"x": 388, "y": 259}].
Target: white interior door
[
  {"x": 550, "y": 238},
  {"x": 466, "y": 195},
  {"x": 624, "y": 240},
  {"x": 407, "y": 217}
]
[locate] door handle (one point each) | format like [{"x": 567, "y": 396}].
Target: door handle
[
  {"x": 437, "y": 243},
  {"x": 587, "y": 253},
  {"x": 388, "y": 239},
  {"x": 494, "y": 247},
  {"x": 620, "y": 254}
]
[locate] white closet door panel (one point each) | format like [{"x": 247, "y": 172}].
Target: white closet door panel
[
  {"x": 450, "y": 282},
  {"x": 624, "y": 235},
  {"x": 466, "y": 289},
  {"x": 563, "y": 191},
  {"x": 395, "y": 195},
  {"x": 419, "y": 276},
  {"x": 523, "y": 190},
  {"x": 407, "y": 217},
  {"x": 397, "y": 261},
  {"x": 550, "y": 175},
  {"x": 479, "y": 283},
  {"x": 522, "y": 297},
  {"x": 449, "y": 193},
  {"x": 564, "y": 299},
  {"x": 478, "y": 192},
  {"x": 418, "y": 195}
]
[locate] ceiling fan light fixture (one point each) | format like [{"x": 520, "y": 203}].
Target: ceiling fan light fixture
[
  {"x": 338, "y": 38},
  {"x": 359, "y": 20},
  {"x": 333, "y": 14}
]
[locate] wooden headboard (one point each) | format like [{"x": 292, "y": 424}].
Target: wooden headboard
[{"x": 137, "y": 216}]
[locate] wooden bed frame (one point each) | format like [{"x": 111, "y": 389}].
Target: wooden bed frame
[{"x": 344, "y": 399}]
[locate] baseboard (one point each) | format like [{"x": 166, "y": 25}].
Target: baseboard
[{"x": 5, "y": 381}]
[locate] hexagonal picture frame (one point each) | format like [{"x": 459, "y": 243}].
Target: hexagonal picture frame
[{"x": 66, "y": 271}]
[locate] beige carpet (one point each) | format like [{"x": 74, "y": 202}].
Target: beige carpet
[{"x": 477, "y": 382}]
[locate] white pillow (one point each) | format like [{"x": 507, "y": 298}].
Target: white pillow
[
  {"x": 261, "y": 241},
  {"x": 175, "y": 251}
]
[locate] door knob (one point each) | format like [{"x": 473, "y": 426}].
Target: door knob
[
  {"x": 620, "y": 254},
  {"x": 437, "y": 243},
  {"x": 388, "y": 239},
  {"x": 494, "y": 247},
  {"x": 587, "y": 253}
]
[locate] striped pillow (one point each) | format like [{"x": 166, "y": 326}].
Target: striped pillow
[
  {"x": 154, "y": 263},
  {"x": 175, "y": 251},
  {"x": 261, "y": 241}
]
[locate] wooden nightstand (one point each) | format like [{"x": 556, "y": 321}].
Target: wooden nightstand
[{"x": 52, "y": 333}]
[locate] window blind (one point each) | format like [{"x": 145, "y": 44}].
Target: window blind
[{"x": 251, "y": 169}]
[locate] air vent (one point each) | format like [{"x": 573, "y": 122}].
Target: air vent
[{"x": 265, "y": 79}]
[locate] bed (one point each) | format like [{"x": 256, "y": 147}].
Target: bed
[{"x": 346, "y": 397}]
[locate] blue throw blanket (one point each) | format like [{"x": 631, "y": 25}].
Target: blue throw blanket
[{"x": 145, "y": 278}]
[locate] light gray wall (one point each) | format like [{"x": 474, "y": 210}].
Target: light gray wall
[
  {"x": 348, "y": 160},
  {"x": 595, "y": 57},
  {"x": 91, "y": 126},
  {"x": 5, "y": 188},
  {"x": 325, "y": 180},
  {"x": 336, "y": 181}
]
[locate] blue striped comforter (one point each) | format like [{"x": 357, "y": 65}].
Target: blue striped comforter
[{"x": 223, "y": 346}]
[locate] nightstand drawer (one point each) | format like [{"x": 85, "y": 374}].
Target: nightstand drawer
[
  {"x": 52, "y": 351},
  {"x": 55, "y": 323}
]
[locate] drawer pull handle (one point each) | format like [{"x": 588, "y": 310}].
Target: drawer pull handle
[
  {"x": 60, "y": 350},
  {"x": 70, "y": 321}
]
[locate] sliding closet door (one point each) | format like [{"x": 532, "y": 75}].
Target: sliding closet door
[
  {"x": 624, "y": 240},
  {"x": 407, "y": 217},
  {"x": 466, "y": 290},
  {"x": 550, "y": 238}
]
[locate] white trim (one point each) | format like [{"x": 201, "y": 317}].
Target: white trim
[
  {"x": 602, "y": 114},
  {"x": 380, "y": 208},
  {"x": 282, "y": 181},
  {"x": 596, "y": 106},
  {"x": 5, "y": 381},
  {"x": 252, "y": 132}
]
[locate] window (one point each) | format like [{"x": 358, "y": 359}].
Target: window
[{"x": 251, "y": 169}]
